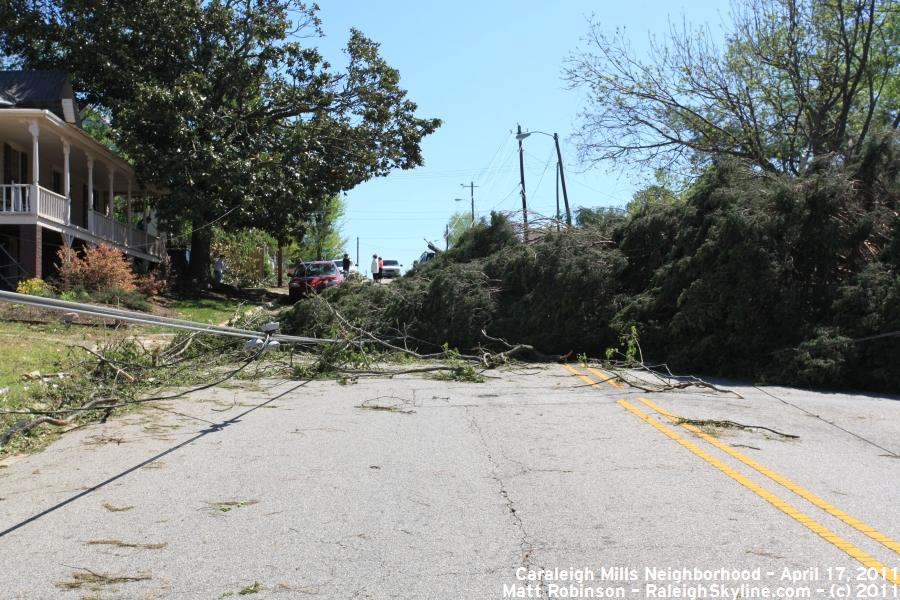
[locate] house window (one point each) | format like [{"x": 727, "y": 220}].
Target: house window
[
  {"x": 57, "y": 182},
  {"x": 15, "y": 165}
]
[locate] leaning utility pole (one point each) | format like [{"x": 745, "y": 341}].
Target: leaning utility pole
[
  {"x": 558, "y": 216},
  {"x": 562, "y": 178},
  {"x": 522, "y": 182}
]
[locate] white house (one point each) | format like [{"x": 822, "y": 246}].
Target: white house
[{"x": 60, "y": 187}]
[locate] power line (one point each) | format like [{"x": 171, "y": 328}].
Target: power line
[
  {"x": 506, "y": 139},
  {"x": 502, "y": 200},
  {"x": 149, "y": 319},
  {"x": 544, "y": 172}
]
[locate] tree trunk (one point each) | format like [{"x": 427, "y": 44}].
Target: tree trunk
[
  {"x": 280, "y": 267},
  {"x": 201, "y": 240}
]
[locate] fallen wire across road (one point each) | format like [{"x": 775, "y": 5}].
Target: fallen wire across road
[{"x": 126, "y": 373}]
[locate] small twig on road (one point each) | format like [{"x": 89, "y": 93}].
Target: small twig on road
[{"x": 403, "y": 407}]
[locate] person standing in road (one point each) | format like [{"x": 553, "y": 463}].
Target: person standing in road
[
  {"x": 374, "y": 267},
  {"x": 346, "y": 264},
  {"x": 380, "y": 269}
]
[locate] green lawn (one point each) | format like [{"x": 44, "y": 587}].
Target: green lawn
[
  {"x": 44, "y": 348},
  {"x": 208, "y": 310}
]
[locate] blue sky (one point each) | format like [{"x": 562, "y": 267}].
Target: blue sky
[{"x": 482, "y": 67}]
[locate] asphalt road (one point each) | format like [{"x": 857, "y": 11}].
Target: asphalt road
[{"x": 416, "y": 488}]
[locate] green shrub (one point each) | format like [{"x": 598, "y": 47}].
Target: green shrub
[
  {"x": 34, "y": 287},
  {"x": 131, "y": 299}
]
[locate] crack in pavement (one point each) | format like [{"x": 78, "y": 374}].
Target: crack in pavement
[{"x": 526, "y": 546}]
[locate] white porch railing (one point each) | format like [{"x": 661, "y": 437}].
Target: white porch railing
[
  {"x": 15, "y": 198},
  {"x": 109, "y": 229},
  {"x": 139, "y": 240},
  {"x": 158, "y": 248},
  {"x": 52, "y": 206},
  {"x": 143, "y": 241}
]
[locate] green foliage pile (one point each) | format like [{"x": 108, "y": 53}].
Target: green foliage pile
[
  {"x": 772, "y": 277},
  {"x": 555, "y": 295},
  {"x": 749, "y": 274},
  {"x": 87, "y": 385}
]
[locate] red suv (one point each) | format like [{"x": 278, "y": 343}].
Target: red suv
[{"x": 312, "y": 277}]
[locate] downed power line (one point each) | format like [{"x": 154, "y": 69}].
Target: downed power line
[{"x": 149, "y": 319}]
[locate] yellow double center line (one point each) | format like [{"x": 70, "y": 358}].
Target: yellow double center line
[{"x": 851, "y": 550}]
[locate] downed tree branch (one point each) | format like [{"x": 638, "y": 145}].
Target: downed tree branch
[
  {"x": 666, "y": 385},
  {"x": 23, "y": 426},
  {"x": 369, "y": 336},
  {"x": 512, "y": 351}
]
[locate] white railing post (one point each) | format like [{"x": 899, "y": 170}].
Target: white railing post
[
  {"x": 90, "y": 198},
  {"x": 128, "y": 235},
  {"x": 67, "y": 181},
  {"x": 35, "y": 130},
  {"x": 110, "y": 213}
]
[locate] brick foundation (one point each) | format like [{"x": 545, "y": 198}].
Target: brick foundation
[{"x": 30, "y": 249}]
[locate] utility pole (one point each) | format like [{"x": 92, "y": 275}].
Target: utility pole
[
  {"x": 562, "y": 178},
  {"x": 558, "y": 216},
  {"x": 471, "y": 187},
  {"x": 446, "y": 237},
  {"x": 522, "y": 182},
  {"x": 357, "y": 252}
]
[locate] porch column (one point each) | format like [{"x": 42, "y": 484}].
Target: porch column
[
  {"x": 128, "y": 234},
  {"x": 35, "y": 130},
  {"x": 67, "y": 181},
  {"x": 90, "y": 198},
  {"x": 109, "y": 205}
]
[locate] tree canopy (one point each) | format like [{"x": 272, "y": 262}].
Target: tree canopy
[
  {"x": 321, "y": 237},
  {"x": 224, "y": 105},
  {"x": 794, "y": 80},
  {"x": 457, "y": 225}
]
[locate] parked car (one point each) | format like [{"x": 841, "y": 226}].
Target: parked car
[
  {"x": 313, "y": 277},
  {"x": 391, "y": 269},
  {"x": 426, "y": 256}
]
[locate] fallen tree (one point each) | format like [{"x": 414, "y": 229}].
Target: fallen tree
[{"x": 748, "y": 274}]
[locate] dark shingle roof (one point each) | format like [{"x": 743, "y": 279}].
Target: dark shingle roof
[{"x": 36, "y": 89}]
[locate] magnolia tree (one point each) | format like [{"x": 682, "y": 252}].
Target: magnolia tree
[{"x": 225, "y": 107}]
